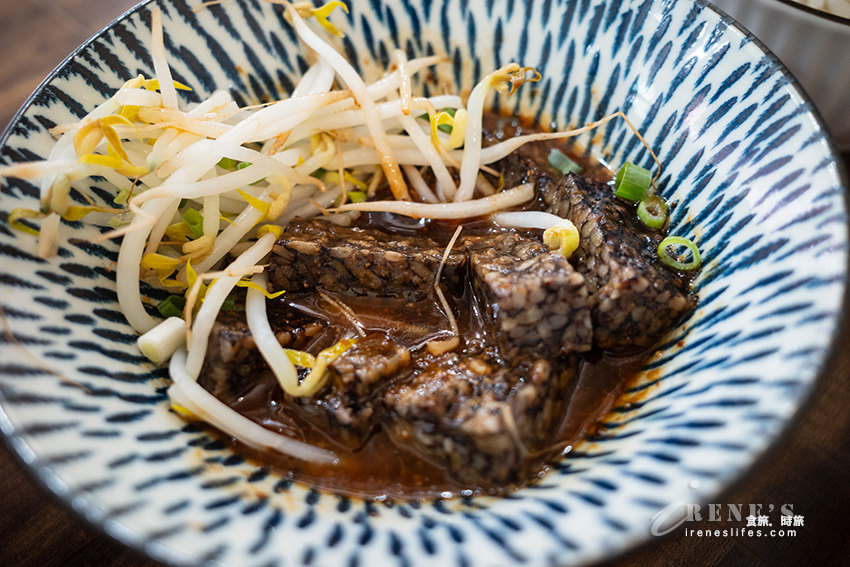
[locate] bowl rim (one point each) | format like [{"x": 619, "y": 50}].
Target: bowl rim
[{"x": 759, "y": 460}]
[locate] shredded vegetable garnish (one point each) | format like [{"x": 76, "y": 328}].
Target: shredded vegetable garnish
[
  {"x": 469, "y": 209},
  {"x": 679, "y": 253},
  {"x": 506, "y": 80},
  {"x": 17, "y": 215},
  {"x": 282, "y": 361},
  {"x": 198, "y": 183},
  {"x": 190, "y": 397},
  {"x": 161, "y": 342},
  {"x": 526, "y": 219}
]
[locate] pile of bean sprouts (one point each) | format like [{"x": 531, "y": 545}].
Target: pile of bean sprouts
[{"x": 203, "y": 183}]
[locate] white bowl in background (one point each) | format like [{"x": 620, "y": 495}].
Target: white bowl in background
[{"x": 814, "y": 45}]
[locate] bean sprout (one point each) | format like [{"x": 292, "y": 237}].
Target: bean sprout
[{"x": 195, "y": 181}]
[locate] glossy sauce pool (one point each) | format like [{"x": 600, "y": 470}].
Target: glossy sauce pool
[{"x": 380, "y": 469}]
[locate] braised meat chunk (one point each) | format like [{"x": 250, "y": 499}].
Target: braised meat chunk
[
  {"x": 316, "y": 254},
  {"x": 233, "y": 362},
  {"x": 536, "y": 301},
  {"x": 636, "y": 299},
  {"x": 349, "y": 407},
  {"x": 518, "y": 169},
  {"x": 481, "y": 420},
  {"x": 365, "y": 366},
  {"x": 346, "y": 410}
]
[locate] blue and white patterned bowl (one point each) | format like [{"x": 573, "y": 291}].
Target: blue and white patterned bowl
[{"x": 758, "y": 188}]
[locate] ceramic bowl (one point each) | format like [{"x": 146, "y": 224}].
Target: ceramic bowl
[
  {"x": 755, "y": 183},
  {"x": 813, "y": 44}
]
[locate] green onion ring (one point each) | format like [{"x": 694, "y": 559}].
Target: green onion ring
[
  {"x": 632, "y": 182},
  {"x": 675, "y": 262},
  {"x": 560, "y": 161},
  {"x": 652, "y": 211}
]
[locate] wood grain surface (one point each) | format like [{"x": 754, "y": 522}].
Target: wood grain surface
[{"x": 809, "y": 468}]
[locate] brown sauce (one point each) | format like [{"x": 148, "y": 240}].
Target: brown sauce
[{"x": 383, "y": 470}]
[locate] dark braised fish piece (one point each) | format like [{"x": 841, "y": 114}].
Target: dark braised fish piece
[
  {"x": 483, "y": 421},
  {"x": 231, "y": 362},
  {"x": 535, "y": 300},
  {"x": 314, "y": 253},
  {"x": 636, "y": 299}
]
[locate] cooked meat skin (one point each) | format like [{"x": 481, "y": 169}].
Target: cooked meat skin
[
  {"x": 519, "y": 169},
  {"x": 315, "y": 254},
  {"x": 536, "y": 301},
  {"x": 481, "y": 420},
  {"x": 231, "y": 361},
  {"x": 636, "y": 299}
]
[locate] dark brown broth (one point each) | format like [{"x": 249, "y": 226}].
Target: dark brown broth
[{"x": 381, "y": 469}]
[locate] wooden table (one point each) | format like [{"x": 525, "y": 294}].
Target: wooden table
[{"x": 810, "y": 468}]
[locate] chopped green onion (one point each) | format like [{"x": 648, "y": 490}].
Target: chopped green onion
[
  {"x": 227, "y": 163},
  {"x": 652, "y": 211},
  {"x": 675, "y": 260},
  {"x": 356, "y": 196},
  {"x": 229, "y": 304},
  {"x": 121, "y": 197},
  {"x": 195, "y": 221},
  {"x": 632, "y": 182},
  {"x": 353, "y": 197},
  {"x": 171, "y": 306},
  {"x": 447, "y": 128},
  {"x": 450, "y": 111},
  {"x": 560, "y": 161},
  {"x": 182, "y": 203}
]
